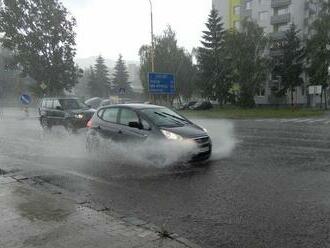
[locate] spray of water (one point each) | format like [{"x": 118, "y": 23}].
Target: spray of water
[{"x": 222, "y": 133}]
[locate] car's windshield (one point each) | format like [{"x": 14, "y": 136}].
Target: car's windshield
[
  {"x": 71, "y": 104},
  {"x": 164, "y": 117}
]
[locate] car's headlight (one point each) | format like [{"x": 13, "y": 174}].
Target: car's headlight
[
  {"x": 204, "y": 129},
  {"x": 171, "y": 136},
  {"x": 79, "y": 116}
]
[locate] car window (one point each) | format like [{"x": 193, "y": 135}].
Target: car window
[
  {"x": 49, "y": 103},
  {"x": 100, "y": 113},
  {"x": 72, "y": 104},
  {"x": 57, "y": 104},
  {"x": 110, "y": 114},
  {"x": 127, "y": 116},
  {"x": 145, "y": 124},
  {"x": 43, "y": 104}
]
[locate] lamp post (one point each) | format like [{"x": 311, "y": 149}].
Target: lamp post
[
  {"x": 152, "y": 39},
  {"x": 326, "y": 88}
]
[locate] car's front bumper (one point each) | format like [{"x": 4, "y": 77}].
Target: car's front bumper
[{"x": 204, "y": 148}]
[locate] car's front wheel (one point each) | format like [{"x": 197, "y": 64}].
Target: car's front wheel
[{"x": 45, "y": 123}]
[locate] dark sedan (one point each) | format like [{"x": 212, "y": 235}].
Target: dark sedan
[{"x": 141, "y": 122}]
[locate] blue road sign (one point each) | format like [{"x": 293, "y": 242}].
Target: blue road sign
[
  {"x": 25, "y": 99},
  {"x": 161, "y": 83}
]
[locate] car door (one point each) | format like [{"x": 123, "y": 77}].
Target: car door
[
  {"x": 108, "y": 126},
  {"x": 131, "y": 134},
  {"x": 49, "y": 111},
  {"x": 58, "y": 113}
]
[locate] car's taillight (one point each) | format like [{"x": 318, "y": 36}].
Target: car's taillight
[{"x": 89, "y": 124}]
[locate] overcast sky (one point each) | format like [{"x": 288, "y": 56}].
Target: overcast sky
[{"x": 110, "y": 27}]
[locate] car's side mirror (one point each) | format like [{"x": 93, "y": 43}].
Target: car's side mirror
[
  {"x": 135, "y": 124},
  {"x": 59, "y": 108}
]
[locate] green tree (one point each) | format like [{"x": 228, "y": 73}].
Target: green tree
[
  {"x": 249, "y": 64},
  {"x": 169, "y": 58},
  {"x": 318, "y": 52},
  {"x": 120, "y": 78},
  {"x": 41, "y": 35},
  {"x": 212, "y": 64},
  {"x": 99, "y": 81},
  {"x": 83, "y": 87},
  {"x": 292, "y": 63},
  {"x": 91, "y": 86}
]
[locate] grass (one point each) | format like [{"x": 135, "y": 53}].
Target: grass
[{"x": 230, "y": 112}]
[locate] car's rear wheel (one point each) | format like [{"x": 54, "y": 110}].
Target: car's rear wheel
[{"x": 45, "y": 123}]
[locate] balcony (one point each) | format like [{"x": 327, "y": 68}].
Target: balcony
[
  {"x": 280, "y": 19},
  {"x": 280, "y": 3}
]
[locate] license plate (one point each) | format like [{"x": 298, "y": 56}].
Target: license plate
[{"x": 204, "y": 149}]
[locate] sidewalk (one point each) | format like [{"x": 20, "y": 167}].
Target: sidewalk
[{"x": 33, "y": 218}]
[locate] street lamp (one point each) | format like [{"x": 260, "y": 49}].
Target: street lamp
[{"x": 152, "y": 39}]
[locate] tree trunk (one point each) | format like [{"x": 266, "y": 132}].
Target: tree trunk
[
  {"x": 321, "y": 98},
  {"x": 325, "y": 99},
  {"x": 292, "y": 99}
]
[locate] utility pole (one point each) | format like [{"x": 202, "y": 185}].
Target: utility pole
[
  {"x": 152, "y": 46},
  {"x": 152, "y": 39}
]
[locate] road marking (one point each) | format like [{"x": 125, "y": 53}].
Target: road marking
[
  {"x": 303, "y": 120},
  {"x": 289, "y": 120},
  {"x": 316, "y": 120}
]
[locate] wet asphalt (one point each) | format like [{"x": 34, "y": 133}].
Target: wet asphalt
[{"x": 267, "y": 185}]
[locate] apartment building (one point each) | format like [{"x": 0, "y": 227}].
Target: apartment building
[
  {"x": 275, "y": 17},
  {"x": 229, "y": 10}
]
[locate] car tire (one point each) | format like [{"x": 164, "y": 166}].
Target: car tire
[{"x": 45, "y": 123}]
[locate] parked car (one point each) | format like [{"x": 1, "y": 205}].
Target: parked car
[
  {"x": 140, "y": 122},
  {"x": 187, "y": 105},
  {"x": 202, "y": 105},
  {"x": 105, "y": 102},
  {"x": 93, "y": 102},
  {"x": 71, "y": 113}
]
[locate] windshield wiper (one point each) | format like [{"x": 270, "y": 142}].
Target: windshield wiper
[{"x": 176, "y": 117}]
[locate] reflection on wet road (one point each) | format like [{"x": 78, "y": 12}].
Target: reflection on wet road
[{"x": 267, "y": 184}]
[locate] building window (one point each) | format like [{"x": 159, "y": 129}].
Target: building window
[
  {"x": 249, "y": 4},
  {"x": 262, "y": 2},
  {"x": 261, "y": 92},
  {"x": 282, "y": 11},
  {"x": 237, "y": 10},
  {"x": 263, "y": 16}
]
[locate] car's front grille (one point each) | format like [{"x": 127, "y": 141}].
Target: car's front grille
[{"x": 202, "y": 140}]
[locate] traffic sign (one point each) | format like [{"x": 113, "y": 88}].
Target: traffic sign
[
  {"x": 161, "y": 83},
  {"x": 25, "y": 99},
  {"x": 43, "y": 86}
]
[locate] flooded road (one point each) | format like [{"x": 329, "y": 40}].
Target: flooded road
[{"x": 267, "y": 185}]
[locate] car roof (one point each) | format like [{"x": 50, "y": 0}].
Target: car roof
[
  {"x": 136, "y": 106},
  {"x": 60, "y": 98}
]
